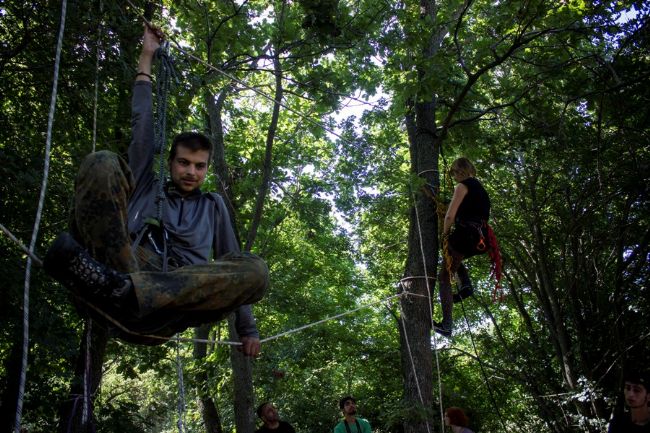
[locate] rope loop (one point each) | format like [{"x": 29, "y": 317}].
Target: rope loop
[{"x": 166, "y": 72}]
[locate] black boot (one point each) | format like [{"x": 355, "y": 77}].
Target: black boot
[
  {"x": 466, "y": 289},
  {"x": 71, "y": 265},
  {"x": 442, "y": 329},
  {"x": 464, "y": 293}
]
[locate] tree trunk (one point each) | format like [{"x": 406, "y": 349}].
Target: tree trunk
[
  {"x": 10, "y": 379},
  {"x": 208, "y": 408},
  {"x": 243, "y": 398},
  {"x": 420, "y": 272},
  {"x": 215, "y": 131},
  {"x": 242, "y": 382},
  {"x": 268, "y": 156},
  {"x": 71, "y": 411},
  {"x": 421, "y": 264}
]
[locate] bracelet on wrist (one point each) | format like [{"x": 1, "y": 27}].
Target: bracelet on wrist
[{"x": 144, "y": 74}]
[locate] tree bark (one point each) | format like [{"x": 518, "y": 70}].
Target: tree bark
[
  {"x": 243, "y": 398},
  {"x": 242, "y": 369},
  {"x": 208, "y": 408},
  {"x": 268, "y": 155},
  {"x": 9, "y": 380},
  {"x": 421, "y": 264},
  {"x": 71, "y": 411}
]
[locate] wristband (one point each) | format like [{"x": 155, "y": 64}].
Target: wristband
[{"x": 144, "y": 74}]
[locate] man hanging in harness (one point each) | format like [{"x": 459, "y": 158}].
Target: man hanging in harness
[
  {"x": 467, "y": 214},
  {"x": 154, "y": 275}
]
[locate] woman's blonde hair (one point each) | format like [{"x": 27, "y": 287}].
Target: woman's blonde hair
[{"x": 463, "y": 167}]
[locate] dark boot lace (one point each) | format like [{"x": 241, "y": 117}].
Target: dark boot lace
[
  {"x": 94, "y": 276},
  {"x": 90, "y": 272}
]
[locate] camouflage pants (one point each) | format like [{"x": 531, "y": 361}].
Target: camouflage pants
[{"x": 168, "y": 302}]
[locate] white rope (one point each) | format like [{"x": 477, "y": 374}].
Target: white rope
[
  {"x": 435, "y": 338},
  {"x": 87, "y": 371},
  {"x": 39, "y": 211},
  {"x": 432, "y": 170},
  {"x": 416, "y": 277},
  {"x": 99, "y": 36},
  {"x": 89, "y": 322},
  {"x": 408, "y": 348},
  {"x": 237, "y": 343},
  {"x": 424, "y": 262},
  {"x": 181, "y": 391},
  {"x": 247, "y": 86},
  {"x": 22, "y": 246},
  {"x": 259, "y": 92},
  {"x": 330, "y": 318}
]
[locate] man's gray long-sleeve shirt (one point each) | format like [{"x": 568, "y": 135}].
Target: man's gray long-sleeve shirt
[{"x": 197, "y": 224}]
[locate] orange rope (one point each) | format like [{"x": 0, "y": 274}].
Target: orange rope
[{"x": 447, "y": 259}]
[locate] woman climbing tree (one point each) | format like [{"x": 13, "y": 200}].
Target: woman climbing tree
[{"x": 466, "y": 233}]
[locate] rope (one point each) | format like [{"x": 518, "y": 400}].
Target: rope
[
  {"x": 430, "y": 303},
  {"x": 122, "y": 328},
  {"x": 408, "y": 349},
  {"x": 87, "y": 379},
  {"x": 22, "y": 246},
  {"x": 181, "y": 390},
  {"x": 259, "y": 92},
  {"x": 292, "y": 331},
  {"x": 166, "y": 71},
  {"x": 99, "y": 36},
  {"x": 482, "y": 368},
  {"x": 431, "y": 170},
  {"x": 446, "y": 257},
  {"x": 89, "y": 322},
  {"x": 189, "y": 55},
  {"x": 417, "y": 277},
  {"x": 48, "y": 145},
  {"x": 75, "y": 403}
]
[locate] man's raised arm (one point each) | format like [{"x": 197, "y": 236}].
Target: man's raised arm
[{"x": 141, "y": 147}]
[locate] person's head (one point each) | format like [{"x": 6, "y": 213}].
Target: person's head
[
  {"x": 636, "y": 389},
  {"x": 267, "y": 412},
  {"x": 189, "y": 158},
  {"x": 456, "y": 416},
  {"x": 348, "y": 405},
  {"x": 461, "y": 169}
]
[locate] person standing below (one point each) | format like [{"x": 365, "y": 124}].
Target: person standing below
[
  {"x": 272, "y": 423},
  {"x": 637, "y": 399},
  {"x": 457, "y": 420},
  {"x": 351, "y": 423},
  {"x": 140, "y": 249},
  {"x": 465, "y": 234}
]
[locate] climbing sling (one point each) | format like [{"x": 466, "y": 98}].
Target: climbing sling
[{"x": 153, "y": 230}]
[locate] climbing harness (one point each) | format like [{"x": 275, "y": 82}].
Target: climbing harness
[{"x": 486, "y": 242}]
